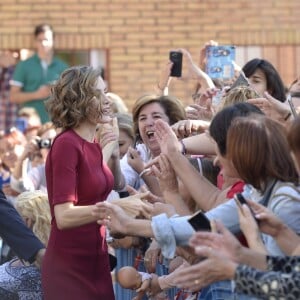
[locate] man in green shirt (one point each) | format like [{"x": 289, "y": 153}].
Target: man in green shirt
[{"x": 32, "y": 77}]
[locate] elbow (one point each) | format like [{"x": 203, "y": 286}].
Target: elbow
[{"x": 61, "y": 224}]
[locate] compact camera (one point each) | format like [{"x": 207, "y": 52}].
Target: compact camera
[{"x": 44, "y": 143}]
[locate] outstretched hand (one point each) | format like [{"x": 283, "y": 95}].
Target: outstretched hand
[
  {"x": 272, "y": 107},
  {"x": 166, "y": 138},
  {"x": 214, "y": 268},
  {"x": 222, "y": 241},
  {"x": 112, "y": 216},
  {"x": 269, "y": 223}
]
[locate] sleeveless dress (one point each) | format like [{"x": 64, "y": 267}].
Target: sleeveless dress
[{"x": 76, "y": 264}]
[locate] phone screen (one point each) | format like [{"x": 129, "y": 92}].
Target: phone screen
[
  {"x": 176, "y": 58},
  {"x": 200, "y": 222}
]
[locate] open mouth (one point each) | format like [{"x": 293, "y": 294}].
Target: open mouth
[{"x": 150, "y": 135}]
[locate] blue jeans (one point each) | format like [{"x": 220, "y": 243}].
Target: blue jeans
[{"x": 222, "y": 290}]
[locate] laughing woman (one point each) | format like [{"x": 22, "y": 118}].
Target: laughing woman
[{"x": 76, "y": 264}]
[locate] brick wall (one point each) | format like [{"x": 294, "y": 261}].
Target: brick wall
[{"x": 139, "y": 33}]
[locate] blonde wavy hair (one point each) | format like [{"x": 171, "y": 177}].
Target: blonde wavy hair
[
  {"x": 72, "y": 97},
  {"x": 238, "y": 94},
  {"x": 34, "y": 205}
]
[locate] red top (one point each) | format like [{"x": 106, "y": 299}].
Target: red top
[{"x": 76, "y": 264}]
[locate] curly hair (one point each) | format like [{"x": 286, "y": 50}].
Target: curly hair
[
  {"x": 72, "y": 96},
  {"x": 34, "y": 205},
  {"x": 172, "y": 106}
]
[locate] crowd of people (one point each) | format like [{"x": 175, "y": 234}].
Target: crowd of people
[{"x": 96, "y": 201}]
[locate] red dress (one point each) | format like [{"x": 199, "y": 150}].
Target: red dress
[{"x": 76, "y": 264}]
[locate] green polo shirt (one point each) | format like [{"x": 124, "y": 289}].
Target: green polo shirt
[{"x": 30, "y": 75}]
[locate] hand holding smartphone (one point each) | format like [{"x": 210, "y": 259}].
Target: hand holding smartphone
[
  {"x": 240, "y": 200},
  {"x": 176, "y": 58},
  {"x": 200, "y": 222}
]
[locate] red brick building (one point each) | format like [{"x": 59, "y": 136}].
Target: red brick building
[{"x": 138, "y": 34}]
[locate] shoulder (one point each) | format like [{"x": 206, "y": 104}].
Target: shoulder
[
  {"x": 26, "y": 65},
  {"x": 66, "y": 142},
  {"x": 286, "y": 188},
  {"x": 31, "y": 60}
]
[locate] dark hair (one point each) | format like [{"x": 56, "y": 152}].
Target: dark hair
[
  {"x": 275, "y": 84},
  {"x": 42, "y": 28},
  {"x": 259, "y": 151},
  {"x": 223, "y": 119},
  {"x": 172, "y": 107}
]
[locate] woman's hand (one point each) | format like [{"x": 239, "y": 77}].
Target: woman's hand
[
  {"x": 269, "y": 223},
  {"x": 166, "y": 138},
  {"x": 214, "y": 268},
  {"x": 166, "y": 175},
  {"x": 152, "y": 256},
  {"x": 185, "y": 128},
  {"x": 150, "y": 197},
  {"x": 250, "y": 229},
  {"x": 134, "y": 160},
  {"x": 272, "y": 107},
  {"x": 112, "y": 216},
  {"x": 222, "y": 241},
  {"x": 164, "y": 77}
]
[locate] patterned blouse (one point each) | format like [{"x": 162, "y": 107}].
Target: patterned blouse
[
  {"x": 281, "y": 281},
  {"x": 20, "y": 282}
]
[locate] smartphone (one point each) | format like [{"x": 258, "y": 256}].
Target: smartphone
[
  {"x": 240, "y": 200},
  {"x": 219, "y": 61},
  {"x": 176, "y": 58},
  {"x": 200, "y": 222},
  {"x": 240, "y": 81},
  {"x": 292, "y": 106}
]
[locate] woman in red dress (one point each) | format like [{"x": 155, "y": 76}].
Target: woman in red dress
[{"x": 76, "y": 264}]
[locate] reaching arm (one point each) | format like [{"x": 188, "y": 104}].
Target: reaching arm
[
  {"x": 69, "y": 216},
  {"x": 17, "y": 235}
]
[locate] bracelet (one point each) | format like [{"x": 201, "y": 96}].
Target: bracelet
[
  {"x": 183, "y": 150},
  {"x": 144, "y": 172},
  {"x": 287, "y": 116}
]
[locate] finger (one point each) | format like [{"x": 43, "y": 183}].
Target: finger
[
  {"x": 221, "y": 228},
  {"x": 156, "y": 171},
  {"x": 270, "y": 98},
  {"x": 204, "y": 251},
  {"x": 152, "y": 162},
  {"x": 131, "y": 190},
  {"x": 163, "y": 163},
  {"x": 256, "y": 206},
  {"x": 213, "y": 226}
]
